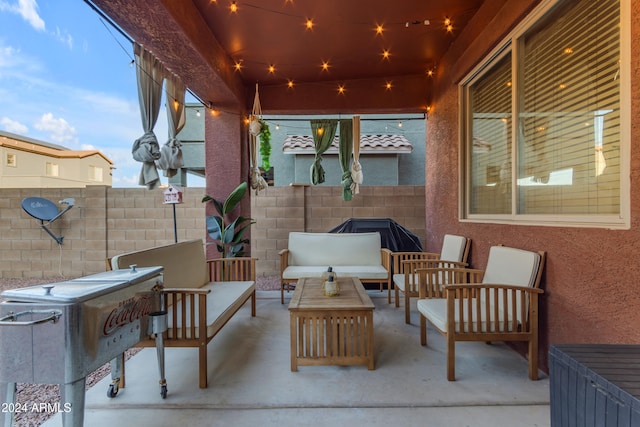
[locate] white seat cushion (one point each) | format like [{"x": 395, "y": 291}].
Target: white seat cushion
[
  {"x": 453, "y": 248},
  {"x": 333, "y": 249},
  {"x": 435, "y": 310},
  {"x": 510, "y": 266},
  {"x": 223, "y": 300},
  {"x": 398, "y": 281},
  {"x": 360, "y": 271}
]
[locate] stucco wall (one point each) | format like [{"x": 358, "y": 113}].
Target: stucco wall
[{"x": 591, "y": 280}]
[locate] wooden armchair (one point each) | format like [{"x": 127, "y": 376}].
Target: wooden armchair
[
  {"x": 454, "y": 253},
  {"x": 499, "y": 304}
]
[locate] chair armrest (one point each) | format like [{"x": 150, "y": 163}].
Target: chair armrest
[
  {"x": 195, "y": 291},
  {"x": 385, "y": 255},
  {"x": 397, "y": 258},
  {"x": 188, "y": 306},
  {"x": 517, "y": 288},
  {"x": 284, "y": 260},
  {"x": 494, "y": 305},
  {"x": 240, "y": 269},
  {"x": 434, "y": 282}
]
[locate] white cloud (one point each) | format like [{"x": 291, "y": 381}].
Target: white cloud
[
  {"x": 64, "y": 37},
  {"x": 125, "y": 181},
  {"x": 13, "y": 126},
  {"x": 27, "y": 9},
  {"x": 59, "y": 129}
]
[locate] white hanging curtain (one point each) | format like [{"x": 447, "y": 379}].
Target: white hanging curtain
[
  {"x": 258, "y": 183},
  {"x": 171, "y": 152},
  {"x": 356, "y": 168},
  {"x": 150, "y": 75}
]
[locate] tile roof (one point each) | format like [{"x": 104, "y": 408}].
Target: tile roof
[
  {"x": 369, "y": 144},
  {"x": 31, "y": 145}
]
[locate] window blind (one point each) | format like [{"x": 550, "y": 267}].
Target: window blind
[
  {"x": 569, "y": 114},
  {"x": 490, "y": 153}
]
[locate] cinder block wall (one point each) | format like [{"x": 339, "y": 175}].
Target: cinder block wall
[
  {"x": 280, "y": 210},
  {"x": 106, "y": 221}
]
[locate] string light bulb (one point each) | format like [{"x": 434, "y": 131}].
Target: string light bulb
[
  {"x": 388, "y": 85},
  {"x": 309, "y": 24},
  {"x": 290, "y": 83},
  {"x": 379, "y": 29},
  {"x": 385, "y": 54},
  {"x": 197, "y": 113},
  {"x": 237, "y": 66},
  {"x": 272, "y": 69},
  {"x": 176, "y": 104},
  {"x": 341, "y": 89},
  {"x": 325, "y": 66},
  {"x": 448, "y": 25},
  {"x": 233, "y": 7}
]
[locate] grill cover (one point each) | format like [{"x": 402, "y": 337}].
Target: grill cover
[{"x": 393, "y": 236}]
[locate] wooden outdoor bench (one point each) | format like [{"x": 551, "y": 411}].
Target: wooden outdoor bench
[{"x": 201, "y": 295}]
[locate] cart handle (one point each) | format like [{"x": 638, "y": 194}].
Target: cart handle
[{"x": 12, "y": 318}]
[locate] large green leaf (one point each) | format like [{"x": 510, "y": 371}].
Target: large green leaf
[
  {"x": 214, "y": 227},
  {"x": 234, "y": 198}
]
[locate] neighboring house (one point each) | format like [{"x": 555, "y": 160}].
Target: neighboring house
[
  {"x": 379, "y": 154},
  {"x": 392, "y": 149},
  {"x": 192, "y": 139},
  {"x": 30, "y": 163}
]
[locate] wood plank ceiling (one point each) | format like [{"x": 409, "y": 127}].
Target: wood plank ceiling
[{"x": 377, "y": 54}]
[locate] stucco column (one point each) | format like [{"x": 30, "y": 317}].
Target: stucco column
[{"x": 226, "y": 161}]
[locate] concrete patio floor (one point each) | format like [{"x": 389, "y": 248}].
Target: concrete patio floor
[{"x": 251, "y": 384}]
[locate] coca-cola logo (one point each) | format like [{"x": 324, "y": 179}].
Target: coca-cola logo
[{"x": 127, "y": 312}]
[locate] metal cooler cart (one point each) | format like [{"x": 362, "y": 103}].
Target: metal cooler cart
[{"x": 60, "y": 332}]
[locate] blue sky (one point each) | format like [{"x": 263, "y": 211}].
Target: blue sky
[{"x": 66, "y": 78}]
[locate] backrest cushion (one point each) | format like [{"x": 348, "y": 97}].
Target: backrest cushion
[
  {"x": 510, "y": 266},
  {"x": 184, "y": 263},
  {"x": 453, "y": 248},
  {"x": 328, "y": 249}
]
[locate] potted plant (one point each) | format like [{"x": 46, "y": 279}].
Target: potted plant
[
  {"x": 265, "y": 152},
  {"x": 228, "y": 235}
]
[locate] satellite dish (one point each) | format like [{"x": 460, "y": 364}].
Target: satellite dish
[{"x": 46, "y": 211}]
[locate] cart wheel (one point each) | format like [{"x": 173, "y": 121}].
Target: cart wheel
[
  {"x": 113, "y": 391},
  {"x": 163, "y": 391}
]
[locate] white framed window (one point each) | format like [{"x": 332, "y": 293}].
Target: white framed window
[
  {"x": 95, "y": 173},
  {"x": 12, "y": 160},
  {"x": 545, "y": 127},
  {"x": 52, "y": 169}
]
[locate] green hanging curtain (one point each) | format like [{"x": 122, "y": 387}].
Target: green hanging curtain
[
  {"x": 323, "y": 133},
  {"x": 344, "y": 153}
]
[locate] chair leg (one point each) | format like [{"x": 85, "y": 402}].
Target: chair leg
[
  {"x": 202, "y": 356},
  {"x": 253, "y": 304},
  {"x": 397, "y": 295},
  {"x": 282, "y": 293},
  {"x": 407, "y": 308},
  {"x": 451, "y": 358},
  {"x": 389, "y": 282},
  {"x": 533, "y": 358},
  {"x": 423, "y": 330}
]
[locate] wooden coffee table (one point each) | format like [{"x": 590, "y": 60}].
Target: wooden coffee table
[{"x": 334, "y": 330}]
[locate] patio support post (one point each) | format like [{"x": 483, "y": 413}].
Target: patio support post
[{"x": 226, "y": 161}]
